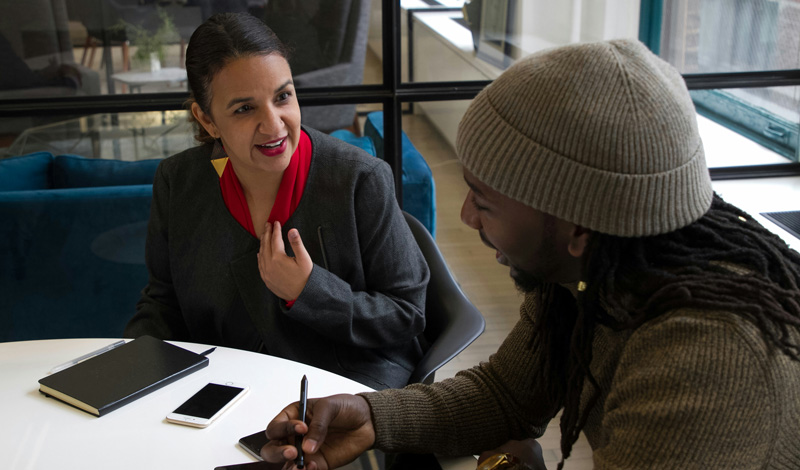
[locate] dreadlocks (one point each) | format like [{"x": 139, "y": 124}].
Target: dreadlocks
[{"x": 724, "y": 261}]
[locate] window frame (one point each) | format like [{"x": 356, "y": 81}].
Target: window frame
[{"x": 392, "y": 93}]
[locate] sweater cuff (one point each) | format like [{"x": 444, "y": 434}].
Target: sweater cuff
[{"x": 396, "y": 429}]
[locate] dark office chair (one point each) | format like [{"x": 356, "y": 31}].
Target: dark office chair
[{"x": 452, "y": 322}]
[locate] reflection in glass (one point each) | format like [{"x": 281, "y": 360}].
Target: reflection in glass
[
  {"x": 494, "y": 32},
  {"x": 36, "y": 53},
  {"x": 132, "y": 136},
  {"x": 117, "y": 136},
  {"x": 328, "y": 40},
  {"x": 480, "y": 40},
  {"x": 88, "y": 41},
  {"x": 713, "y": 36},
  {"x": 51, "y": 48}
]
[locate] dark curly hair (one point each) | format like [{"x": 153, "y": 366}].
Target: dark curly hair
[
  {"x": 219, "y": 40},
  {"x": 638, "y": 279}
]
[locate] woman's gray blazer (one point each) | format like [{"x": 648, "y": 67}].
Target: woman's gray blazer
[{"x": 361, "y": 314}]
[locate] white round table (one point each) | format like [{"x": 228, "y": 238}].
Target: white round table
[{"x": 43, "y": 433}]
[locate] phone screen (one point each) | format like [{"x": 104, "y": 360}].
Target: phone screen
[{"x": 209, "y": 400}]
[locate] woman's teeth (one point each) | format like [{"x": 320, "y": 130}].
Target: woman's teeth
[{"x": 272, "y": 146}]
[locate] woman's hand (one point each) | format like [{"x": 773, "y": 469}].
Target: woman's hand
[
  {"x": 286, "y": 277},
  {"x": 529, "y": 453},
  {"x": 339, "y": 430}
]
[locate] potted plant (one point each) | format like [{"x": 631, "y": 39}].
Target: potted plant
[{"x": 150, "y": 44}]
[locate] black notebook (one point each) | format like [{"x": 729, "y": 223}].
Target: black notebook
[{"x": 117, "y": 377}]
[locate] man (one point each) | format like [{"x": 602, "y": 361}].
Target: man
[{"x": 662, "y": 322}]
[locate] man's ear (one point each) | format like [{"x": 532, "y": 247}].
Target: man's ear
[
  {"x": 578, "y": 241},
  {"x": 204, "y": 120}
]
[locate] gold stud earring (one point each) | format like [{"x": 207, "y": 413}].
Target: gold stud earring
[{"x": 581, "y": 286}]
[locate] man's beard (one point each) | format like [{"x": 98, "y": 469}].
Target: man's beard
[
  {"x": 547, "y": 263},
  {"x": 525, "y": 281}
]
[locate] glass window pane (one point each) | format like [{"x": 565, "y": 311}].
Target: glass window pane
[
  {"x": 115, "y": 136},
  {"x": 443, "y": 116},
  {"x": 97, "y": 47},
  {"x": 725, "y": 36},
  {"x": 482, "y": 38},
  {"x": 731, "y": 35},
  {"x": 374, "y": 76},
  {"x": 328, "y": 38},
  {"x": 91, "y": 47},
  {"x": 752, "y": 137},
  {"x": 146, "y": 135}
]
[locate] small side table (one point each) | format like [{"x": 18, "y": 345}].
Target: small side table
[{"x": 135, "y": 80}]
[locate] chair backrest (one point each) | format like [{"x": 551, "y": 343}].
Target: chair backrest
[{"x": 452, "y": 321}]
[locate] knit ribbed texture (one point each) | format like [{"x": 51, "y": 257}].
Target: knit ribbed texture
[
  {"x": 603, "y": 135},
  {"x": 690, "y": 389}
]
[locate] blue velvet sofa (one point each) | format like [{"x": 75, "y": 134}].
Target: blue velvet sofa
[{"x": 72, "y": 243}]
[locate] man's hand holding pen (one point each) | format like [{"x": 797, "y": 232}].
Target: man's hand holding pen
[{"x": 339, "y": 429}]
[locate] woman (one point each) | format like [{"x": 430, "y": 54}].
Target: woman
[{"x": 273, "y": 237}]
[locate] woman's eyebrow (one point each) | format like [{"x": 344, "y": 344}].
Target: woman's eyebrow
[
  {"x": 285, "y": 84},
  {"x": 236, "y": 101}
]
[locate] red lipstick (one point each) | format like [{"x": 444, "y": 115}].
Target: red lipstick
[{"x": 274, "y": 148}]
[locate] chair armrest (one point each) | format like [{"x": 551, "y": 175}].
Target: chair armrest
[
  {"x": 452, "y": 340},
  {"x": 453, "y": 322}
]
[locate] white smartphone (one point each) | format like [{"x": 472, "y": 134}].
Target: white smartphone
[{"x": 208, "y": 404}]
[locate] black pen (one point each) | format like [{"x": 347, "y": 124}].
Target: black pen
[{"x": 299, "y": 461}]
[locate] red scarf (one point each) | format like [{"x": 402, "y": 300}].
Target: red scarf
[{"x": 289, "y": 192}]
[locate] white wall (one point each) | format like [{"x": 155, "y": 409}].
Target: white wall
[{"x": 443, "y": 52}]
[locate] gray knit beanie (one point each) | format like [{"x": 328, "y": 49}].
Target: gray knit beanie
[{"x": 603, "y": 135}]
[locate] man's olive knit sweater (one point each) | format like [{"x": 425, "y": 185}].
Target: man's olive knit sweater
[{"x": 690, "y": 389}]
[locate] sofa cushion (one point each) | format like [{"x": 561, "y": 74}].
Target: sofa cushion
[
  {"x": 27, "y": 172},
  {"x": 73, "y": 171},
  {"x": 364, "y": 143},
  {"x": 419, "y": 191}
]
